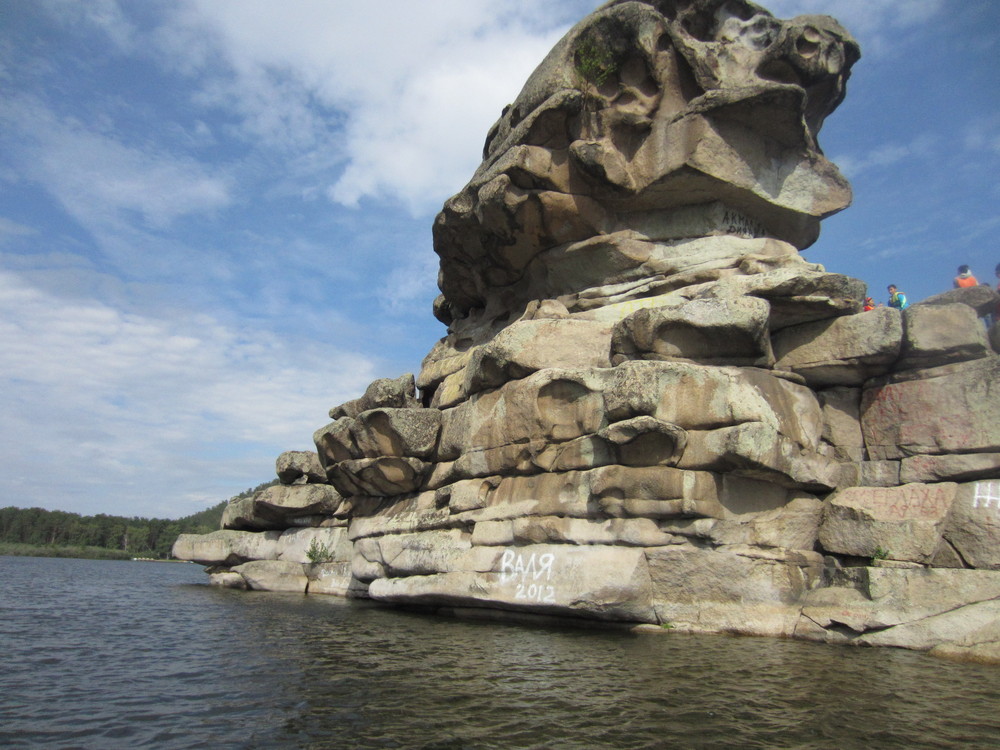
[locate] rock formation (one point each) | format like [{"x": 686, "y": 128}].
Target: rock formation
[{"x": 648, "y": 407}]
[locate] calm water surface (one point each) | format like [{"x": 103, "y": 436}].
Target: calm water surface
[{"x": 101, "y": 654}]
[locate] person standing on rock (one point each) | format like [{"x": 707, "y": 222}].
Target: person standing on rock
[
  {"x": 869, "y": 304},
  {"x": 897, "y": 299},
  {"x": 965, "y": 278}
]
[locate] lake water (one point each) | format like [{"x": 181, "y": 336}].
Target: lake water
[{"x": 101, "y": 654}]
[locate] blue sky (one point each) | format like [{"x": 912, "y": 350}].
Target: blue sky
[{"x": 215, "y": 214}]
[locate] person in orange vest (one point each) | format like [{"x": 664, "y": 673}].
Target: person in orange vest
[
  {"x": 869, "y": 304},
  {"x": 965, "y": 278}
]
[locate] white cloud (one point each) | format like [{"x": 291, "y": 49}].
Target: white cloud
[
  {"x": 106, "y": 15},
  {"x": 862, "y": 16},
  {"x": 403, "y": 94},
  {"x": 151, "y": 407},
  {"x": 983, "y": 136},
  {"x": 101, "y": 180},
  {"x": 885, "y": 155},
  {"x": 409, "y": 287},
  {"x": 10, "y": 228}
]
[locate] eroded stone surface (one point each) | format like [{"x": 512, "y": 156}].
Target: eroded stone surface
[
  {"x": 282, "y": 507},
  {"x": 600, "y": 581},
  {"x": 299, "y": 467},
  {"x": 940, "y": 334},
  {"x": 974, "y": 526},
  {"x": 947, "y": 409},
  {"x": 648, "y": 407},
  {"x": 274, "y": 575},
  {"x": 628, "y": 74},
  {"x": 899, "y": 523},
  {"x": 706, "y": 331},
  {"x": 843, "y": 351},
  {"x": 980, "y": 298},
  {"x": 226, "y": 547}
]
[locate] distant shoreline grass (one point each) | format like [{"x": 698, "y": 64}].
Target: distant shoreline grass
[{"x": 46, "y": 550}]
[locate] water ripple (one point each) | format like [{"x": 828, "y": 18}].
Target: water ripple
[{"x": 118, "y": 654}]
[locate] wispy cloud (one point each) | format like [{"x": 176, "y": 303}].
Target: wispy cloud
[
  {"x": 101, "y": 180},
  {"x": 135, "y": 402},
  {"x": 10, "y": 229},
  {"x": 887, "y": 154},
  {"x": 982, "y": 136},
  {"x": 401, "y": 96},
  {"x": 877, "y": 20}
]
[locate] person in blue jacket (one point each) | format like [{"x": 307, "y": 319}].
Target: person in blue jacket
[{"x": 897, "y": 299}]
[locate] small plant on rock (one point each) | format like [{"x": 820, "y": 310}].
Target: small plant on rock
[
  {"x": 880, "y": 553},
  {"x": 595, "y": 61},
  {"x": 318, "y": 553}
]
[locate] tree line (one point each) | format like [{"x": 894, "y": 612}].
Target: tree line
[{"x": 40, "y": 530}]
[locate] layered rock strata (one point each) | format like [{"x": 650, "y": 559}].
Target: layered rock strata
[{"x": 648, "y": 407}]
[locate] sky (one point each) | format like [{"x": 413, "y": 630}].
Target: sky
[{"x": 215, "y": 215}]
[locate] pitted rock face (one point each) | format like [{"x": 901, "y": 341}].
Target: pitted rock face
[{"x": 660, "y": 120}]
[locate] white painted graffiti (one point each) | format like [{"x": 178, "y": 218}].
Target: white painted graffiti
[
  {"x": 531, "y": 574},
  {"x": 987, "y": 495}
]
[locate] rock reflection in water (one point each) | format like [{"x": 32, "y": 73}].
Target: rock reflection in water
[
  {"x": 106, "y": 654},
  {"x": 387, "y": 678}
]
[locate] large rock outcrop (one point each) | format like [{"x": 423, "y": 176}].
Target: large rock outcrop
[{"x": 648, "y": 407}]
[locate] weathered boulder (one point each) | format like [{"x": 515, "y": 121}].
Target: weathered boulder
[
  {"x": 330, "y": 544},
  {"x": 842, "y": 422},
  {"x": 897, "y": 523},
  {"x": 636, "y": 111},
  {"x": 390, "y": 393},
  {"x": 947, "y": 409},
  {"x": 797, "y": 295},
  {"x": 274, "y": 575},
  {"x": 227, "y": 579},
  {"x": 977, "y": 645},
  {"x": 531, "y": 345},
  {"x": 417, "y": 553},
  {"x": 974, "y": 526},
  {"x": 913, "y": 608},
  {"x": 844, "y": 351},
  {"x": 955, "y": 467},
  {"x": 282, "y": 506},
  {"x": 982, "y": 299},
  {"x": 334, "y": 579},
  {"x": 383, "y": 476},
  {"x": 299, "y": 467},
  {"x": 793, "y": 525},
  {"x": 600, "y": 581},
  {"x": 968, "y": 623},
  {"x": 227, "y": 547},
  {"x": 755, "y": 449},
  {"x": 706, "y": 331},
  {"x": 737, "y": 590},
  {"x": 396, "y": 432},
  {"x": 941, "y": 334},
  {"x": 335, "y": 442},
  {"x": 380, "y": 451}
]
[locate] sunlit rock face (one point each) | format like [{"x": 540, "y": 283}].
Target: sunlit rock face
[
  {"x": 648, "y": 407},
  {"x": 649, "y": 123}
]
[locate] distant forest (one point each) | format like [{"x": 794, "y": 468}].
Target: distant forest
[{"x": 56, "y": 533}]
